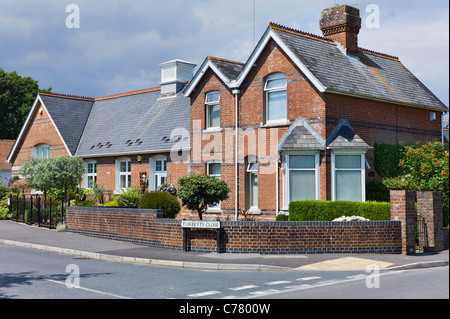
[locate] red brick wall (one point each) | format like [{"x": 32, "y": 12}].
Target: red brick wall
[
  {"x": 40, "y": 130},
  {"x": 147, "y": 228}
]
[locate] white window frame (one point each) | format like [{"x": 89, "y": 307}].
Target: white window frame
[
  {"x": 119, "y": 174},
  {"x": 252, "y": 171},
  {"x": 287, "y": 170},
  {"x": 362, "y": 169},
  {"x": 41, "y": 151},
  {"x": 160, "y": 173},
  {"x": 217, "y": 207},
  {"x": 268, "y": 91},
  {"x": 92, "y": 175},
  {"x": 208, "y": 105}
]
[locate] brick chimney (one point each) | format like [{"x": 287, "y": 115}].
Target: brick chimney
[{"x": 342, "y": 24}]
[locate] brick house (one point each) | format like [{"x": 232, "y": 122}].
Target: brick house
[
  {"x": 5, "y": 168},
  {"x": 305, "y": 111},
  {"x": 125, "y": 139}
]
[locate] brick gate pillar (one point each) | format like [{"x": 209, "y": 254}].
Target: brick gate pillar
[
  {"x": 403, "y": 209},
  {"x": 429, "y": 206}
]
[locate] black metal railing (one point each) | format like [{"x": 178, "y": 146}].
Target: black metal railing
[{"x": 38, "y": 210}]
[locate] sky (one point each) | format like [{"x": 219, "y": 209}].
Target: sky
[{"x": 119, "y": 44}]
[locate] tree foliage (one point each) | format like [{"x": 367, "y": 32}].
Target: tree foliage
[
  {"x": 61, "y": 173},
  {"x": 198, "y": 191},
  {"x": 17, "y": 95},
  {"x": 426, "y": 169}
]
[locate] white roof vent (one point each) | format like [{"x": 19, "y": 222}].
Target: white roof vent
[{"x": 174, "y": 75}]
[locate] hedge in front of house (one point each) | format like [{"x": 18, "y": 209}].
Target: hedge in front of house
[{"x": 316, "y": 210}]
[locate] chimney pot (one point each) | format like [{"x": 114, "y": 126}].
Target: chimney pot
[{"x": 342, "y": 24}]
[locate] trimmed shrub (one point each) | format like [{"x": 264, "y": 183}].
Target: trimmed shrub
[
  {"x": 129, "y": 197},
  {"x": 161, "y": 200},
  {"x": 315, "y": 210},
  {"x": 376, "y": 190},
  {"x": 111, "y": 203},
  {"x": 282, "y": 217}
]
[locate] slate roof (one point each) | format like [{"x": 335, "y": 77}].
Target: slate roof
[
  {"x": 301, "y": 136},
  {"x": 69, "y": 115},
  {"x": 136, "y": 123},
  {"x": 231, "y": 69},
  {"x": 344, "y": 137},
  {"x": 371, "y": 74}
]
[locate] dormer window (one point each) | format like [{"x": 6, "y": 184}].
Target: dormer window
[
  {"x": 212, "y": 102},
  {"x": 275, "y": 96}
]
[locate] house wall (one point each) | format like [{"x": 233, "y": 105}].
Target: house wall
[{"x": 40, "y": 130}]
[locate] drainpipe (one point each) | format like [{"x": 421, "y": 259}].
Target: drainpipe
[
  {"x": 236, "y": 159},
  {"x": 277, "y": 186}
]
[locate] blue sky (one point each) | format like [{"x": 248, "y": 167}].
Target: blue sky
[{"x": 120, "y": 43}]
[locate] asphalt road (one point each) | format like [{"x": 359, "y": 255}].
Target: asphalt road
[{"x": 32, "y": 274}]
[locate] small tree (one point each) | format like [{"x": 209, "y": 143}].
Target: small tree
[
  {"x": 426, "y": 169},
  {"x": 61, "y": 173},
  {"x": 198, "y": 191}
]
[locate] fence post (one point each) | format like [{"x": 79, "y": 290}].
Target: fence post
[
  {"x": 39, "y": 211},
  {"x": 31, "y": 209},
  {"x": 50, "y": 214}
]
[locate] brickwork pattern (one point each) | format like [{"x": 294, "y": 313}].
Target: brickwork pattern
[{"x": 148, "y": 228}]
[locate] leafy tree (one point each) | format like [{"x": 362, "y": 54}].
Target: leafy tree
[
  {"x": 198, "y": 191},
  {"x": 61, "y": 173},
  {"x": 17, "y": 95},
  {"x": 426, "y": 169}
]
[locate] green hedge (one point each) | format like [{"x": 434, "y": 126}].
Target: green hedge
[
  {"x": 161, "y": 200},
  {"x": 315, "y": 210}
]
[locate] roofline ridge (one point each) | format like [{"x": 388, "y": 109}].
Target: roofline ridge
[
  {"x": 66, "y": 96},
  {"x": 380, "y": 53},
  {"x": 112, "y": 96},
  {"x": 224, "y": 60},
  {"x": 312, "y": 35}
]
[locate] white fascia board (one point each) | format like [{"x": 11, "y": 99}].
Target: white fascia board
[
  {"x": 270, "y": 34},
  {"x": 202, "y": 70},
  {"x": 27, "y": 121}
]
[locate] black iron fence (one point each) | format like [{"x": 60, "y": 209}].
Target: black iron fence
[{"x": 36, "y": 209}]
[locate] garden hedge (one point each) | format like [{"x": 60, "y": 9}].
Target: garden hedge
[{"x": 315, "y": 210}]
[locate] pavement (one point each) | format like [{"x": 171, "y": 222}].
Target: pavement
[{"x": 81, "y": 246}]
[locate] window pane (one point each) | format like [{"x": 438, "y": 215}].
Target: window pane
[
  {"x": 123, "y": 181},
  {"x": 275, "y": 84},
  {"x": 302, "y": 185},
  {"x": 302, "y": 161},
  {"x": 123, "y": 167},
  {"x": 348, "y": 161},
  {"x": 276, "y": 105},
  {"x": 214, "y": 115},
  {"x": 212, "y": 97},
  {"x": 254, "y": 190},
  {"x": 252, "y": 167},
  {"x": 348, "y": 185},
  {"x": 90, "y": 168},
  {"x": 214, "y": 169},
  {"x": 158, "y": 167},
  {"x": 165, "y": 166}
]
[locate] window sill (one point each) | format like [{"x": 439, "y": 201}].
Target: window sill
[
  {"x": 214, "y": 211},
  {"x": 212, "y": 130},
  {"x": 276, "y": 123}
]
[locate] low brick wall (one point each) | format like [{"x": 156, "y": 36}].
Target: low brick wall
[{"x": 147, "y": 227}]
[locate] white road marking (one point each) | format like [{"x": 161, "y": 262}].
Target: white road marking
[
  {"x": 277, "y": 282},
  {"x": 91, "y": 290},
  {"x": 309, "y": 278},
  {"x": 206, "y": 293},
  {"x": 243, "y": 287}
]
